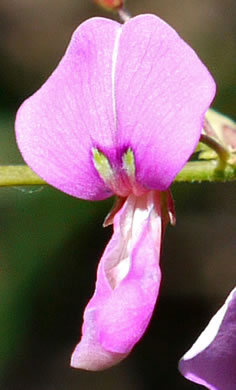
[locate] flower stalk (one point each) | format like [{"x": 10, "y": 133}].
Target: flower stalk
[
  {"x": 124, "y": 14},
  {"x": 221, "y": 151}
]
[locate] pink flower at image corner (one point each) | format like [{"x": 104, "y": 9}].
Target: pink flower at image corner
[
  {"x": 211, "y": 361},
  {"x": 120, "y": 115}
]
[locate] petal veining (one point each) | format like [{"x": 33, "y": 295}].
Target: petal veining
[
  {"x": 162, "y": 93},
  {"x": 72, "y": 112},
  {"x": 136, "y": 86}
]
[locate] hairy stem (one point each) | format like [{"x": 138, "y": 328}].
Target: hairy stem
[
  {"x": 211, "y": 171},
  {"x": 199, "y": 171}
]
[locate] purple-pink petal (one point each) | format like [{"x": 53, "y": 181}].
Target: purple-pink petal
[
  {"x": 135, "y": 86},
  {"x": 211, "y": 361},
  {"x": 162, "y": 92},
  {"x": 72, "y": 112},
  {"x": 127, "y": 286}
]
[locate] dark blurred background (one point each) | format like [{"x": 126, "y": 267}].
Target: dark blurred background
[{"x": 50, "y": 243}]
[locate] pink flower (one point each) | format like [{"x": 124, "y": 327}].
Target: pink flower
[
  {"x": 211, "y": 361},
  {"x": 120, "y": 115}
]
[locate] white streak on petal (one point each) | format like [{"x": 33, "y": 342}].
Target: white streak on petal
[{"x": 114, "y": 62}]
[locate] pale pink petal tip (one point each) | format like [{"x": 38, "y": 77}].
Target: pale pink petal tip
[
  {"x": 91, "y": 356},
  {"x": 127, "y": 286},
  {"x": 211, "y": 361}
]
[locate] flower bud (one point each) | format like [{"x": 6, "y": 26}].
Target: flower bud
[
  {"x": 111, "y": 5},
  {"x": 222, "y": 128}
]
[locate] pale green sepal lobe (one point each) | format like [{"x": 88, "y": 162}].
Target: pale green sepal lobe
[
  {"x": 129, "y": 163},
  {"x": 102, "y": 165}
]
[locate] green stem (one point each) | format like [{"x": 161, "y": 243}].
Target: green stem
[
  {"x": 18, "y": 175},
  {"x": 198, "y": 171}
]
